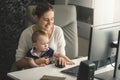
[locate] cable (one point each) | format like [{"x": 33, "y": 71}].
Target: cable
[{"x": 109, "y": 59}]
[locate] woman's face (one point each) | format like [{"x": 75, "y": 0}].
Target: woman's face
[{"x": 47, "y": 20}]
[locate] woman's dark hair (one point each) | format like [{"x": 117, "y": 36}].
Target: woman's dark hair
[
  {"x": 41, "y": 8},
  {"x": 38, "y": 33}
]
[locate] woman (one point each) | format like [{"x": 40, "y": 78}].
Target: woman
[{"x": 43, "y": 14}]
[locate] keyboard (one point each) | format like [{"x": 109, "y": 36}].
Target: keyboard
[{"x": 71, "y": 71}]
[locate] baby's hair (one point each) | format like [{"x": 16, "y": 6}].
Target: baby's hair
[{"x": 38, "y": 33}]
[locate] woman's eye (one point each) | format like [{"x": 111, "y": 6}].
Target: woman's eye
[
  {"x": 52, "y": 19},
  {"x": 46, "y": 19}
]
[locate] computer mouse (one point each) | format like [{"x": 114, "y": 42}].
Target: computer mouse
[{"x": 59, "y": 65}]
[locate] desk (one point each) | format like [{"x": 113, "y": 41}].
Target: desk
[{"x": 38, "y": 72}]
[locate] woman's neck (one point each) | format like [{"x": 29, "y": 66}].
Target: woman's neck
[{"x": 37, "y": 27}]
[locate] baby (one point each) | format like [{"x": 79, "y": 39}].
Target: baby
[{"x": 41, "y": 51}]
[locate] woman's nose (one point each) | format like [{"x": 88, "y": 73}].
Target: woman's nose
[{"x": 50, "y": 21}]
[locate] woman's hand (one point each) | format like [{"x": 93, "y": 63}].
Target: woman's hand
[
  {"x": 60, "y": 61},
  {"x": 63, "y": 61},
  {"x": 70, "y": 62}
]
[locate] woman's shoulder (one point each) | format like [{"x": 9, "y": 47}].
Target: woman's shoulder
[
  {"x": 58, "y": 31},
  {"x": 28, "y": 30},
  {"x": 57, "y": 28}
]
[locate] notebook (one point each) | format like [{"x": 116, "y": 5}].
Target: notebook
[{"x": 48, "y": 77}]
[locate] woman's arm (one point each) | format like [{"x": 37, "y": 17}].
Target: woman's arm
[
  {"x": 29, "y": 62},
  {"x": 26, "y": 62},
  {"x": 59, "y": 37},
  {"x": 24, "y": 45},
  {"x": 22, "y": 63}
]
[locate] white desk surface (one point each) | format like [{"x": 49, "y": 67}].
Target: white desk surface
[{"x": 38, "y": 72}]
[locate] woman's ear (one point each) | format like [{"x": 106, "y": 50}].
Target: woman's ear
[
  {"x": 36, "y": 18},
  {"x": 34, "y": 45}
]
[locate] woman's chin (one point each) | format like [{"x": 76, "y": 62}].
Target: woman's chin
[{"x": 48, "y": 28}]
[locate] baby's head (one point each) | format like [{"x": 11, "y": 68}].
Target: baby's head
[{"x": 40, "y": 40}]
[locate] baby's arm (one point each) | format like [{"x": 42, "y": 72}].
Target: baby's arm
[{"x": 42, "y": 60}]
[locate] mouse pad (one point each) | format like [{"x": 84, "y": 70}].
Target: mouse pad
[{"x": 47, "y": 77}]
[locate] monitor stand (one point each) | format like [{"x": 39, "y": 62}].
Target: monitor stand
[{"x": 108, "y": 75}]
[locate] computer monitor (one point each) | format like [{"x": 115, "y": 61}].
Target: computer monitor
[
  {"x": 104, "y": 48},
  {"x": 117, "y": 60},
  {"x": 101, "y": 49}
]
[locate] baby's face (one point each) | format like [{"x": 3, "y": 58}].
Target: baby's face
[{"x": 42, "y": 43}]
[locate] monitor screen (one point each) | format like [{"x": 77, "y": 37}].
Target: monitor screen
[{"x": 100, "y": 49}]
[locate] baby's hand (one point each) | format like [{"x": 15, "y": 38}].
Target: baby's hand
[
  {"x": 43, "y": 60},
  {"x": 42, "y": 65}
]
